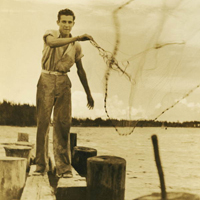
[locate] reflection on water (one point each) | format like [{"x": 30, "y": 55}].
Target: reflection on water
[{"x": 179, "y": 151}]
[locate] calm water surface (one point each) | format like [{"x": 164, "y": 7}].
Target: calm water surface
[{"x": 179, "y": 151}]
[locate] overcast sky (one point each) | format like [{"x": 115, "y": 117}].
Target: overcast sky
[{"x": 162, "y": 75}]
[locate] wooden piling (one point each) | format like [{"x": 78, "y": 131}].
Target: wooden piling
[
  {"x": 29, "y": 144},
  {"x": 73, "y": 141},
  {"x": 106, "y": 178},
  {"x": 159, "y": 166},
  {"x": 12, "y": 177},
  {"x": 32, "y": 152},
  {"x": 165, "y": 195},
  {"x": 19, "y": 151},
  {"x": 79, "y": 158},
  {"x": 23, "y": 137}
]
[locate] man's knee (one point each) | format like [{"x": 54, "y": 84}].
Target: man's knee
[
  {"x": 43, "y": 122},
  {"x": 63, "y": 122}
]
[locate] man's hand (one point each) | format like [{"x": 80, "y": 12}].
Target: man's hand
[
  {"x": 85, "y": 37},
  {"x": 90, "y": 103}
]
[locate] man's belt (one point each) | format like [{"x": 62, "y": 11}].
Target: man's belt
[{"x": 54, "y": 72}]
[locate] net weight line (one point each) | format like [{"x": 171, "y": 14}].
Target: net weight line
[
  {"x": 173, "y": 105},
  {"x": 112, "y": 64}
]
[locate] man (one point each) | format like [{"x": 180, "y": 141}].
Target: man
[{"x": 61, "y": 51}]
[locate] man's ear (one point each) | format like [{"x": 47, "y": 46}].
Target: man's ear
[{"x": 57, "y": 22}]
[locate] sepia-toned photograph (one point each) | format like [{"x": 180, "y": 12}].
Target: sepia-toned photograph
[{"x": 100, "y": 100}]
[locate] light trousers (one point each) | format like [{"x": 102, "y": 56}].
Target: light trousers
[{"x": 53, "y": 92}]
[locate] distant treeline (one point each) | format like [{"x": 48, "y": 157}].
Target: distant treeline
[
  {"x": 13, "y": 114},
  {"x": 127, "y": 123}
]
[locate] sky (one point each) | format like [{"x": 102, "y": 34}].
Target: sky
[{"x": 160, "y": 39}]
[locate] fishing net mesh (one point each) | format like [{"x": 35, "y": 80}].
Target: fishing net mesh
[{"x": 155, "y": 61}]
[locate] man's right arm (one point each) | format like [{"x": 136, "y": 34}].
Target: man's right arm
[{"x": 58, "y": 42}]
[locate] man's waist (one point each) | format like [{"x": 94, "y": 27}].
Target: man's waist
[{"x": 54, "y": 72}]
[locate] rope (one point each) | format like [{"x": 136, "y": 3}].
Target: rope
[
  {"x": 170, "y": 107},
  {"x": 112, "y": 64}
]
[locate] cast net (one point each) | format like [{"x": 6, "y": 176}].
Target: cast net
[{"x": 155, "y": 64}]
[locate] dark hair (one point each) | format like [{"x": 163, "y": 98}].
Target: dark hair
[{"x": 66, "y": 12}]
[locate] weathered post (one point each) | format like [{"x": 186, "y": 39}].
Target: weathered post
[
  {"x": 159, "y": 166},
  {"x": 164, "y": 195},
  {"x": 19, "y": 151},
  {"x": 32, "y": 153},
  {"x": 29, "y": 144},
  {"x": 12, "y": 177},
  {"x": 23, "y": 137},
  {"x": 106, "y": 178},
  {"x": 73, "y": 141},
  {"x": 79, "y": 158}
]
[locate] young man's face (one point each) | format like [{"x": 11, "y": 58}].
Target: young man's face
[{"x": 65, "y": 24}]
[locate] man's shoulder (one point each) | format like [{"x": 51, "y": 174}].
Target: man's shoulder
[{"x": 54, "y": 33}]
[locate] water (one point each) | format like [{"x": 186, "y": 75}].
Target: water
[{"x": 179, "y": 151}]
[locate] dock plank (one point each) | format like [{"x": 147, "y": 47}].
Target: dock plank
[
  {"x": 76, "y": 181},
  {"x": 69, "y": 188},
  {"x": 37, "y": 187}
]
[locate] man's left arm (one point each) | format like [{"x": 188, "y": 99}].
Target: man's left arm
[{"x": 83, "y": 79}]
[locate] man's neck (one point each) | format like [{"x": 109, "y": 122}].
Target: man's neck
[{"x": 65, "y": 35}]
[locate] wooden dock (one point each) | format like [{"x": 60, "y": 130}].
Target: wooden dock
[
  {"x": 37, "y": 187},
  {"x": 68, "y": 188},
  {"x": 71, "y": 188},
  {"x": 48, "y": 186}
]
